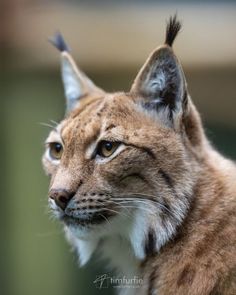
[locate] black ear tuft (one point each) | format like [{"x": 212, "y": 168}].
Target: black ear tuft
[
  {"x": 58, "y": 41},
  {"x": 172, "y": 29}
]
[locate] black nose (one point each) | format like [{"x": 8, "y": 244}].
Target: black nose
[{"x": 61, "y": 197}]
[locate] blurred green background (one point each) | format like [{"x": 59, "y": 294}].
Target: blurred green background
[{"x": 111, "y": 41}]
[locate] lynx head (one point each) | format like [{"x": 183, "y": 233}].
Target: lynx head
[{"x": 124, "y": 163}]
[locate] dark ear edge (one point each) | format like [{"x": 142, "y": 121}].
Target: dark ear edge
[{"x": 172, "y": 29}]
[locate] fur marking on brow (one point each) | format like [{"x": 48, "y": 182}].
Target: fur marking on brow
[
  {"x": 111, "y": 126},
  {"x": 145, "y": 149}
]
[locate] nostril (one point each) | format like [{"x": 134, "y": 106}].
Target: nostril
[{"x": 61, "y": 197}]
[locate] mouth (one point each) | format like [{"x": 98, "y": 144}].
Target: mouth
[
  {"x": 96, "y": 218},
  {"x": 84, "y": 216}
]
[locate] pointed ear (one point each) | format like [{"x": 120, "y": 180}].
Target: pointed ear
[
  {"x": 161, "y": 83},
  {"x": 76, "y": 84}
]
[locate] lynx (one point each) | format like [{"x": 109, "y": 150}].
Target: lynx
[{"x": 135, "y": 179}]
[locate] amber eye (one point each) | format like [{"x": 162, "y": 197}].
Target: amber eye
[
  {"x": 55, "y": 150},
  {"x": 107, "y": 148}
]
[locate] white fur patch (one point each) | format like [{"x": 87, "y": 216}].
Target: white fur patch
[
  {"x": 138, "y": 233},
  {"x": 72, "y": 85},
  {"x": 157, "y": 84},
  {"x": 84, "y": 248}
]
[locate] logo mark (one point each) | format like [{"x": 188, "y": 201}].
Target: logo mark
[{"x": 101, "y": 282}]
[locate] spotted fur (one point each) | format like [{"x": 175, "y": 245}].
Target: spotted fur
[{"x": 162, "y": 206}]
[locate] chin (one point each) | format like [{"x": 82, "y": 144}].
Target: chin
[{"x": 91, "y": 228}]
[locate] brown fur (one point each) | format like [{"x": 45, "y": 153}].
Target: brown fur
[
  {"x": 201, "y": 259},
  {"x": 172, "y": 162}
]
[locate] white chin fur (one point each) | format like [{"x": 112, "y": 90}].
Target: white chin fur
[
  {"x": 85, "y": 240},
  {"x": 84, "y": 248},
  {"x": 137, "y": 234},
  {"x": 132, "y": 232}
]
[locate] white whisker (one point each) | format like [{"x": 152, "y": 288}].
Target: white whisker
[
  {"x": 105, "y": 219},
  {"x": 142, "y": 208},
  {"x": 116, "y": 212},
  {"x": 144, "y": 201},
  {"x": 47, "y": 125},
  {"x": 54, "y": 122}
]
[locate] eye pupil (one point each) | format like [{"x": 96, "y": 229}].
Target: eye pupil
[
  {"x": 58, "y": 147},
  {"x": 108, "y": 146}
]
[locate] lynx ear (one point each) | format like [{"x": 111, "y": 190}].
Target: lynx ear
[
  {"x": 160, "y": 82},
  {"x": 76, "y": 84}
]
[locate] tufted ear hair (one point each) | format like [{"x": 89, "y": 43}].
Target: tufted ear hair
[
  {"x": 161, "y": 83},
  {"x": 76, "y": 84}
]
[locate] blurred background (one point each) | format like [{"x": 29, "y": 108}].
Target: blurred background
[{"x": 110, "y": 40}]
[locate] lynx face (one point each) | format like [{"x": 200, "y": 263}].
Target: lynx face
[{"x": 123, "y": 164}]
